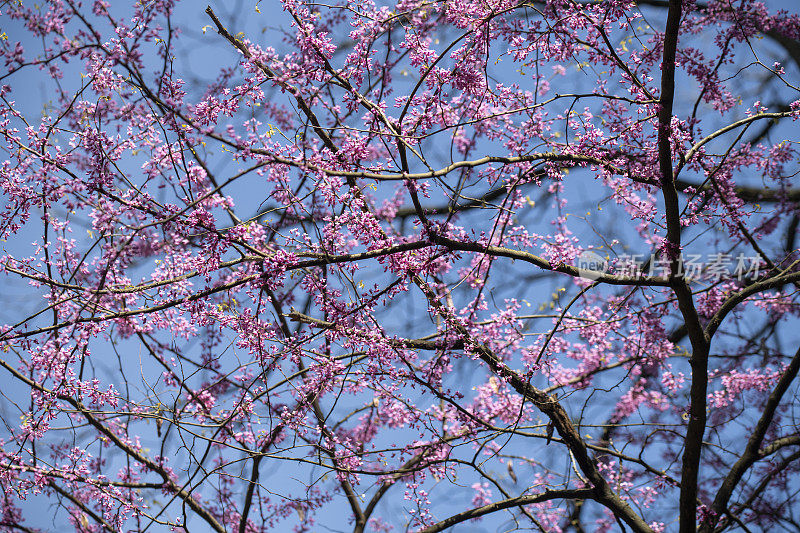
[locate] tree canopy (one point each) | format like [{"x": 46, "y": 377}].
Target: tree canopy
[{"x": 400, "y": 266}]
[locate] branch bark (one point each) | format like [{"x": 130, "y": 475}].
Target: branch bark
[
  {"x": 576, "y": 494},
  {"x": 752, "y": 450}
]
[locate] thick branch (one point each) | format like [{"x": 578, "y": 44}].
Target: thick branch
[
  {"x": 576, "y": 494},
  {"x": 544, "y": 264},
  {"x": 751, "y": 452},
  {"x": 550, "y": 407},
  {"x": 699, "y": 361}
]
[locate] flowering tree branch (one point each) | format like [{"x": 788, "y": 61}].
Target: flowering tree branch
[{"x": 417, "y": 263}]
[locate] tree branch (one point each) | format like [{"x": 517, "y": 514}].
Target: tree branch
[
  {"x": 751, "y": 452},
  {"x": 579, "y": 494}
]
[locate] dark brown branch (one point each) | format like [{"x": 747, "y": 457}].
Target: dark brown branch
[
  {"x": 127, "y": 449},
  {"x": 83, "y": 507},
  {"x": 748, "y": 194},
  {"x": 759, "y": 490},
  {"x": 752, "y": 451},
  {"x": 577, "y": 494},
  {"x": 542, "y": 263},
  {"x": 550, "y": 407},
  {"x": 764, "y": 285},
  {"x": 700, "y": 344}
]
